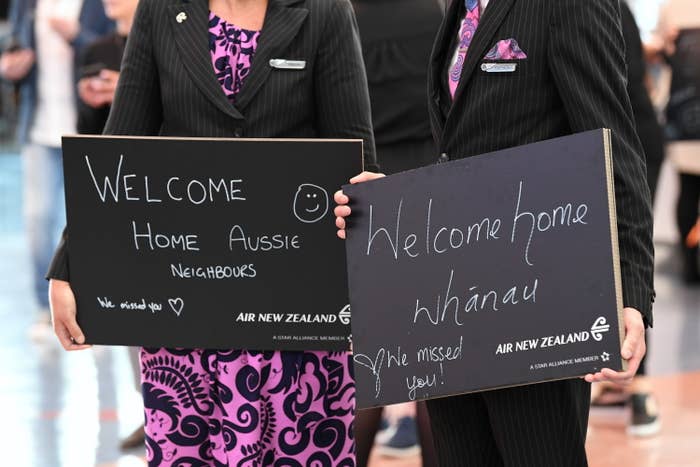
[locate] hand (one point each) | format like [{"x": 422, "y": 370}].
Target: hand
[
  {"x": 670, "y": 41},
  {"x": 15, "y": 66},
  {"x": 63, "y": 312},
  {"x": 66, "y": 28},
  {"x": 343, "y": 210},
  {"x": 98, "y": 91},
  {"x": 658, "y": 46},
  {"x": 633, "y": 349}
]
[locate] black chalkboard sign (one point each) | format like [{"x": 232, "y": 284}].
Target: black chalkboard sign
[
  {"x": 490, "y": 271},
  {"x": 203, "y": 243},
  {"x": 683, "y": 110}
]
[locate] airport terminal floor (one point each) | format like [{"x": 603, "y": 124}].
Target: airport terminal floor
[{"x": 71, "y": 410}]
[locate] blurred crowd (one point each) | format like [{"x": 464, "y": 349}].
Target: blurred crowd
[{"x": 60, "y": 67}]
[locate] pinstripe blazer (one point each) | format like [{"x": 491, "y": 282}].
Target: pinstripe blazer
[
  {"x": 573, "y": 80},
  {"x": 168, "y": 86}
]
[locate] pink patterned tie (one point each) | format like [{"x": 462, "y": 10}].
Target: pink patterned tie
[{"x": 466, "y": 34}]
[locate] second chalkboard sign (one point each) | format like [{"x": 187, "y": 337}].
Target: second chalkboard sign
[
  {"x": 202, "y": 243},
  {"x": 490, "y": 271}
]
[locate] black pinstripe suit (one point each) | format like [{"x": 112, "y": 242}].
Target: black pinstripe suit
[
  {"x": 573, "y": 80},
  {"x": 168, "y": 87}
]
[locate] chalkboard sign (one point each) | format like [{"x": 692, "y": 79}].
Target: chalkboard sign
[
  {"x": 683, "y": 111},
  {"x": 202, "y": 243},
  {"x": 485, "y": 272}
]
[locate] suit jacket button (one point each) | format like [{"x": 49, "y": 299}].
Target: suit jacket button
[
  {"x": 443, "y": 158},
  {"x": 238, "y": 132}
]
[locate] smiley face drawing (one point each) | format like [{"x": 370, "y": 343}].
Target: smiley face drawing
[{"x": 310, "y": 203}]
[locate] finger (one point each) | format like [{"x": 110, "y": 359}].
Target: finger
[
  {"x": 75, "y": 331},
  {"x": 340, "y": 198},
  {"x": 624, "y": 378},
  {"x": 341, "y": 234},
  {"x": 104, "y": 99},
  {"x": 629, "y": 346},
  {"x": 365, "y": 176},
  {"x": 342, "y": 211},
  {"x": 23, "y": 61},
  {"x": 94, "y": 84},
  {"x": 63, "y": 335},
  {"x": 75, "y": 347},
  {"x": 98, "y": 85},
  {"x": 340, "y": 223},
  {"x": 109, "y": 74},
  {"x": 359, "y": 178},
  {"x": 67, "y": 341},
  {"x": 594, "y": 377}
]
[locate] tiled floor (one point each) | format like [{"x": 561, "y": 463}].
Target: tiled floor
[{"x": 69, "y": 410}]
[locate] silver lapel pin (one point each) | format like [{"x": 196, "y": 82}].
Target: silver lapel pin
[{"x": 182, "y": 16}]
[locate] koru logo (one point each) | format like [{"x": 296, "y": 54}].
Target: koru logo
[
  {"x": 599, "y": 327},
  {"x": 344, "y": 315}
]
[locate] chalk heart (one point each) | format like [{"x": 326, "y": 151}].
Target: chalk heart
[{"x": 176, "y": 304}]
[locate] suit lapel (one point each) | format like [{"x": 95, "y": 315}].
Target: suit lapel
[
  {"x": 437, "y": 61},
  {"x": 491, "y": 20},
  {"x": 282, "y": 23},
  {"x": 190, "y": 23}
]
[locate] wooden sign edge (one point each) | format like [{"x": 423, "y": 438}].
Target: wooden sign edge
[
  {"x": 203, "y": 138},
  {"x": 612, "y": 205}
]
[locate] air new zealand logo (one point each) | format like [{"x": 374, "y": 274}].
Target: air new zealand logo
[
  {"x": 344, "y": 315},
  {"x": 599, "y": 327}
]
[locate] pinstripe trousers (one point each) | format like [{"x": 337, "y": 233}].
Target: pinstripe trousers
[{"x": 541, "y": 425}]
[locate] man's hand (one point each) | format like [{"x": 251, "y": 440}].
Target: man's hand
[
  {"x": 633, "y": 349},
  {"x": 343, "y": 210},
  {"x": 63, "y": 312},
  {"x": 15, "y": 66},
  {"x": 98, "y": 91},
  {"x": 67, "y": 29}
]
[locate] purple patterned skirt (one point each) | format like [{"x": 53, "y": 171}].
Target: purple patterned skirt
[{"x": 248, "y": 409}]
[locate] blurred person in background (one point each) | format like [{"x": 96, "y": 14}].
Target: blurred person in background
[
  {"x": 98, "y": 73},
  {"x": 92, "y": 23},
  {"x": 644, "y": 420},
  {"x": 684, "y": 143},
  {"x": 40, "y": 59},
  {"x": 98, "y": 68},
  {"x": 397, "y": 36}
]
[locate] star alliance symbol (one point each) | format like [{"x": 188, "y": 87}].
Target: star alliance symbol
[{"x": 605, "y": 357}]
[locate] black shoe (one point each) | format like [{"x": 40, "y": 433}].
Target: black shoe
[
  {"x": 404, "y": 443},
  {"x": 645, "y": 416},
  {"x": 136, "y": 439}
]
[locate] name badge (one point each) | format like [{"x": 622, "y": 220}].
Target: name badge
[
  {"x": 288, "y": 64},
  {"x": 499, "y": 67}
]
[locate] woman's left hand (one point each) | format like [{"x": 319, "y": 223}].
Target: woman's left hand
[{"x": 341, "y": 199}]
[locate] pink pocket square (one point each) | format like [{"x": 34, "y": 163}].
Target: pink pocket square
[{"x": 507, "y": 49}]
